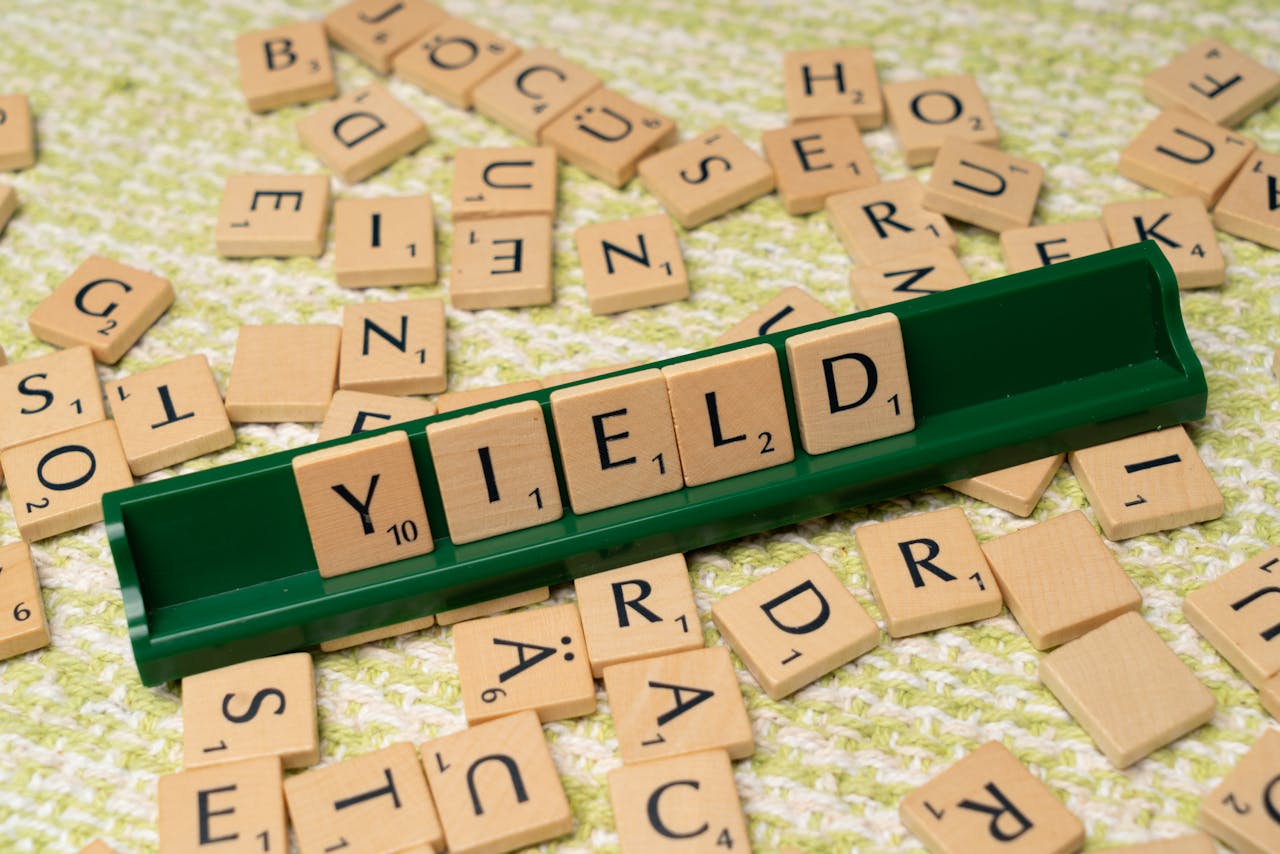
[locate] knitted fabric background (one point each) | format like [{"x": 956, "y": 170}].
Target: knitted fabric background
[{"x": 140, "y": 120}]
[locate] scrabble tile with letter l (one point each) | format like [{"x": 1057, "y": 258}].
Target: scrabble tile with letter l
[
  {"x": 285, "y": 65},
  {"x": 241, "y": 803},
  {"x": 982, "y": 185},
  {"x": 1180, "y": 226},
  {"x": 630, "y": 264},
  {"x": 685, "y": 802},
  {"x": 606, "y": 135},
  {"x": 1181, "y": 154},
  {"x": 815, "y": 159},
  {"x": 792, "y": 307},
  {"x": 273, "y": 216},
  {"x": 283, "y": 373},
  {"x": 23, "y": 627},
  {"x": 924, "y": 113},
  {"x": 1214, "y": 81},
  {"x": 1239, "y": 613},
  {"x": 837, "y": 81},
  {"x": 17, "y": 134},
  {"x": 385, "y": 241},
  {"x": 376, "y": 31},
  {"x": 528, "y": 93},
  {"x": 362, "y": 132},
  {"x": 1250, "y": 208},
  {"x": 929, "y": 271},
  {"x": 887, "y": 221},
  {"x": 1242, "y": 811},
  {"x": 702, "y": 178},
  {"x": 1016, "y": 489},
  {"x": 393, "y": 347},
  {"x": 47, "y": 395},
  {"x": 453, "y": 58}
]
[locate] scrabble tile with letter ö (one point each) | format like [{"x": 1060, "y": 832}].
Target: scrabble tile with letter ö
[
  {"x": 687, "y": 801},
  {"x": 453, "y": 58},
  {"x": 285, "y": 65}
]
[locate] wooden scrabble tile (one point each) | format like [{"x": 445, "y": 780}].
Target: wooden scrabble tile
[
  {"x": 1146, "y": 483},
  {"x": 393, "y": 347},
  {"x": 265, "y": 707},
  {"x": 386, "y": 241},
  {"x": 1042, "y": 245},
  {"x": 791, "y": 308},
  {"x": 501, "y": 263},
  {"x": 362, "y": 132},
  {"x": 17, "y": 133},
  {"x": 794, "y": 626},
  {"x": 701, "y": 178},
  {"x": 644, "y": 610},
  {"x": 923, "y": 113},
  {"x": 47, "y": 395},
  {"x": 376, "y": 30},
  {"x": 887, "y": 221},
  {"x": 1250, "y": 208},
  {"x": 534, "y": 660},
  {"x": 169, "y": 414},
  {"x": 285, "y": 65},
  {"x": 452, "y": 58},
  {"x": 849, "y": 383},
  {"x": 503, "y": 769},
  {"x": 1214, "y": 81},
  {"x": 241, "y": 803},
  {"x": 283, "y": 372},
  {"x": 817, "y": 158},
  {"x": 834, "y": 81},
  {"x": 632, "y": 263},
  {"x": 495, "y": 471},
  {"x": 22, "y": 623},
  {"x": 687, "y": 802},
  {"x": 990, "y": 802},
  {"x": 1016, "y": 489},
  {"x": 391, "y": 631},
  {"x": 1235, "y": 613},
  {"x": 606, "y": 135},
  {"x": 1269, "y": 695},
  {"x": 8, "y": 204},
  {"x": 363, "y": 503},
  {"x": 978, "y": 184},
  {"x": 1180, "y": 227},
  {"x": 493, "y": 606},
  {"x": 930, "y": 271},
  {"x": 455, "y": 400},
  {"x": 352, "y": 412},
  {"x": 927, "y": 572},
  {"x": 1181, "y": 154},
  {"x": 1126, "y": 689},
  {"x": 730, "y": 414},
  {"x": 376, "y": 801},
  {"x": 1241, "y": 810},
  {"x": 528, "y": 93},
  {"x": 491, "y": 182},
  {"x": 1196, "y": 843},
  {"x": 56, "y": 482},
  {"x": 1059, "y": 579},
  {"x": 617, "y": 440},
  {"x": 566, "y": 377},
  {"x": 97, "y": 846},
  {"x": 273, "y": 215}
]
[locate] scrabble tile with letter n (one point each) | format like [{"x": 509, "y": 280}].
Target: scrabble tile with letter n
[
  {"x": 631, "y": 264},
  {"x": 393, "y": 347}
]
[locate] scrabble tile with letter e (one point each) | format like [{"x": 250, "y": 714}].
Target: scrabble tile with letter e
[
  {"x": 1181, "y": 154},
  {"x": 1214, "y": 81},
  {"x": 982, "y": 185},
  {"x": 924, "y": 113},
  {"x": 453, "y": 58},
  {"x": 22, "y": 623},
  {"x": 1042, "y": 245},
  {"x": 1239, "y": 613},
  {"x": 814, "y": 159},
  {"x": 490, "y": 182},
  {"x": 362, "y": 132},
  {"x": 606, "y": 135},
  {"x": 273, "y": 215},
  {"x": 631, "y": 264},
  {"x": 376, "y": 31},
  {"x": 1250, "y": 208},
  {"x": 285, "y": 65},
  {"x": 47, "y": 395},
  {"x": 503, "y": 262},
  {"x": 241, "y": 803},
  {"x": 393, "y": 347},
  {"x": 526, "y": 94},
  {"x": 836, "y": 81},
  {"x": 699, "y": 179},
  {"x": 1016, "y": 489},
  {"x": 1241, "y": 811},
  {"x": 283, "y": 373},
  {"x": 17, "y": 134},
  {"x": 1180, "y": 226},
  {"x": 685, "y": 802},
  {"x": 792, "y": 307},
  {"x": 887, "y": 221},
  {"x": 352, "y": 412},
  {"x": 921, "y": 273},
  {"x": 387, "y": 241}
]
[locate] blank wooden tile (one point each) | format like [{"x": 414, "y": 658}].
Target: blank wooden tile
[
  {"x": 56, "y": 483},
  {"x": 377, "y": 801},
  {"x": 686, "y": 802},
  {"x": 285, "y": 65},
  {"x": 834, "y": 81},
  {"x": 1240, "y": 811},
  {"x": 923, "y": 113},
  {"x": 391, "y": 631},
  {"x": 1181, "y": 154},
  {"x": 453, "y": 58},
  {"x": 644, "y": 610},
  {"x": 701, "y": 178},
  {"x": 1126, "y": 689},
  {"x": 1042, "y": 245},
  {"x": 1016, "y": 489},
  {"x": 984, "y": 186},
  {"x": 1214, "y": 81},
  {"x": 730, "y": 414},
  {"x": 887, "y": 221},
  {"x": 490, "y": 182},
  {"x": 265, "y": 707},
  {"x": 632, "y": 263},
  {"x": 927, "y": 572},
  {"x": 362, "y": 132},
  {"x": 617, "y": 440},
  {"x": 1250, "y": 208},
  {"x": 352, "y": 412},
  {"x": 1269, "y": 696},
  {"x": 454, "y": 400},
  {"x": 676, "y": 704},
  {"x": 495, "y": 471},
  {"x": 990, "y": 802},
  {"x": 606, "y": 134},
  {"x": 794, "y": 626},
  {"x": 8, "y": 204},
  {"x": 241, "y": 803},
  {"x": 1236, "y": 613},
  {"x": 273, "y": 215},
  {"x": 387, "y": 241},
  {"x": 493, "y": 606},
  {"x": 17, "y": 133},
  {"x": 526, "y": 94},
  {"x": 814, "y": 159},
  {"x": 501, "y": 263},
  {"x": 363, "y": 503},
  {"x": 393, "y": 347},
  {"x": 283, "y": 373},
  {"x": 1145, "y": 483},
  {"x": 921, "y": 273},
  {"x": 1196, "y": 843},
  {"x": 496, "y": 786},
  {"x": 170, "y": 414},
  {"x": 48, "y": 394},
  {"x": 1059, "y": 579},
  {"x": 849, "y": 383},
  {"x": 1180, "y": 227},
  {"x": 792, "y": 307},
  {"x": 22, "y": 622},
  {"x": 376, "y": 30}
]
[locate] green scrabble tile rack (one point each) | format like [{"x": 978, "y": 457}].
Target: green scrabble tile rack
[{"x": 217, "y": 567}]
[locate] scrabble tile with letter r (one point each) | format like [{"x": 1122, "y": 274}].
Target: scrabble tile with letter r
[
  {"x": 702, "y": 178},
  {"x": 240, "y": 802},
  {"x": 887, "y": 221},
  {"x": 285, "y": 65},
  {"x": 362, "y": 132},
  {"x": 273, "y": 215},
  {"x": 688, "y": 802}
]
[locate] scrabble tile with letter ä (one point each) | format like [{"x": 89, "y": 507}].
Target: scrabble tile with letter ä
[
  {"x": 393, "y": 347},
  {"x": 285, "y": 65},
  {"x": 702, "y": 178},
  {"x": 362, "y": 132},
  {"x": 241, "y": 803},
  {"x": 1239, "y": 613},
  {"x": 273, "y": 215},
  {"x": 689, "y": 801},
  {"x": 837, "y": 81}
]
